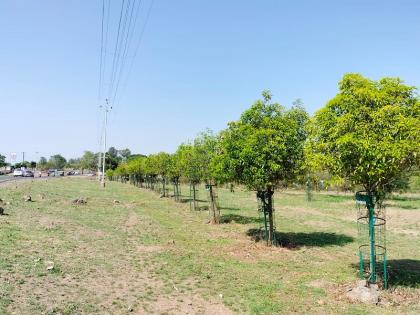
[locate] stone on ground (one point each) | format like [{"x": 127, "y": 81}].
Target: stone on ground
[{"x": 364, "y": 292}]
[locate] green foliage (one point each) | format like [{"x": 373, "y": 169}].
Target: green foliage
[
  {"x": 109, "y": 174},
  {"x": 57, "y": 162},
  {"x": 264, "y": 148},
  {"x": 73, "y": 163},
  {"x": 125, "y": 154},
  {"x": 43, "y": 163},
  {"x": 189, "y": 163},
  {"x": 2, "y": 160},
  {"x": 88, "y": 161},
  {"x": 369, "y": 133},
  {"x": 163, "y": 163},
  {"x": 121, "y": 170},
  {"x": 175, "y": 170},
  {"x": 136, "y": 166},
  {"x": 195, "y": 159}
]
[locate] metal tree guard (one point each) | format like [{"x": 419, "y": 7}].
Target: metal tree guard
[
  {"x": 371, "y": 223},
  {"x": 193, "y": 196},
  {"x": 265, "y": 206}
]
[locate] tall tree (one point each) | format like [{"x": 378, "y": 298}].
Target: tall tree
[
  {"x": 263, "y": 150},
  {"x": 125, "y": 154},
  {"x": 57, "y": 161},
  {"x": 190, "y": 167},
  {"x": 88, "y": 161},
  {"x": 2, "y": 160},
  {"x": 368, "y": 134},
  {"x": 204, "y": 152},
  {"x": 43, "y": 163}
]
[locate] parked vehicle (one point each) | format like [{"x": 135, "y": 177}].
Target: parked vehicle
[
  {"x": 17, "y": 172},
  {"x": 51, "y": 172},
  {"x": 27, "y": 173}
]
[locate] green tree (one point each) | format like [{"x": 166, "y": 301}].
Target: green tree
[
  {"x": 189, "y": 166},
  {"x": 162, "y": 166},
  {"x": 136, "y": 170},
  {"x": 2, "y": 160},
  {"x": 73, "y": 163},
  {"x": 175, "y": 172},
  {"x": 112, "y": 152},
  {"x": 125, "y": 154},
  {"x": 43, "y": 163},
  {"x": 89, "y": 161},
  {"x": 368, "y": 134},
  {"x": 263, "y": 150},
  {"x": 204, "y": 152},
  {"x": 57, "y": 161}
]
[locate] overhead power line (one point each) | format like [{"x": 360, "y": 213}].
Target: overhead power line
[{"x": 113, "y": 63}]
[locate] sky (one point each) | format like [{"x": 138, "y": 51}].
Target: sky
[{"x": 200, "y": 64}]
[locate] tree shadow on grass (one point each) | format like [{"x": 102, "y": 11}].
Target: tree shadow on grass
[
  {"x": 235, "y": 218},
  {"x": 295, "y": 241},
  {"x": 404, "y": 272}
]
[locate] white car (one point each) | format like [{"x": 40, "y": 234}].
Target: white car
[{"x": 17, "y": 172}]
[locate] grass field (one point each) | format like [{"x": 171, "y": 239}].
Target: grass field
[{"x": 150, "y": 255}]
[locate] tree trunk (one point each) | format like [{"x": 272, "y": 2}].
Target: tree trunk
[
  {"x": 164, "y": 187},
  {"x": 194, "y": 197},
  {"x": 215, "y": 219},
  {"x": 270, "y": 217}
]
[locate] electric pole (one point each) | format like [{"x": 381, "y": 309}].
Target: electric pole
[{"x": 107, "y": 108}]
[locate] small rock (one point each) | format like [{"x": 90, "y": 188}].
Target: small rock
[
  {"x": 50, "y": 265},
  {"x": 364, "y": 292},
  {"x": 79, "y": 201},
  {"x": 28, "y": 198},
  {"x": 321, "y": 302},
  {"x": 1, "y": 211},
  {"x": 171, "y": 242},
  {"x": 116, "y": 201},
  {"x": 221, "y": 295}
]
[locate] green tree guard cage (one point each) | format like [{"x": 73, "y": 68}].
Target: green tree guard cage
[
  {"x": 266, "y": 212},
  {"x": 194, "y": 196},
  {"x": 371, "y": 223},
  {"x": 214, "y": 209},
  {"x": 177, "y": 191}
]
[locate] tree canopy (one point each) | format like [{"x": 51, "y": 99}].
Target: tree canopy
[
  {"x": 2, "y": 160},
  {"x": 88, "y": 161},
  {"x": 264, "y": 147},
  {"x": 369, "y": 133},
  {"x": 57, "y": 161}
]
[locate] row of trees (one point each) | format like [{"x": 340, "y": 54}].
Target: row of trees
[
  {"x": 368, "y": 136},
  {"x": 87, "y": 162}
]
